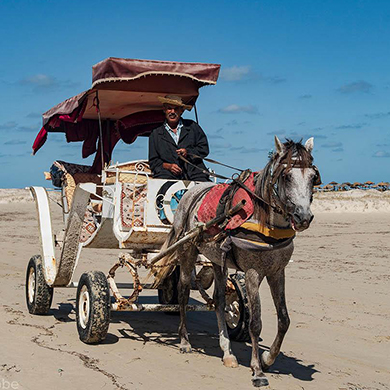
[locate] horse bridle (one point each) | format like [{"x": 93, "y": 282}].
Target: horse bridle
[
  {"x": 279, "y": 172},
  {"x": 278, "y": 207}
]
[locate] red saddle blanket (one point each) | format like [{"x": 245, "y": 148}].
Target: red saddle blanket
[{"x": 208, "y": 208}]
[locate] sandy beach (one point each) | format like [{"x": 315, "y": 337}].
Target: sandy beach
[{"x": 337, "y": 294}]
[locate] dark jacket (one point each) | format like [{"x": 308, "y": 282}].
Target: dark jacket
[{"x": 162, "y": 149}]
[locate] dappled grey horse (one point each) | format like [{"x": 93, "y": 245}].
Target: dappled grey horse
[{"x": 285, "y": 186}]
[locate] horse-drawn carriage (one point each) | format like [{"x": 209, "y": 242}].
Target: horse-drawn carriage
[
  {"x": 123, "y": 206},
  {"x": 118, "y": 205}
]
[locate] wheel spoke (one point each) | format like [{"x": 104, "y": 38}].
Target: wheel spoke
[{"x": 232, "y": 313}]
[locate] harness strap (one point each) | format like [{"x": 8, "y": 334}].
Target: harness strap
[
  {"x": 276, "y": 209},
  {"x": 226, "y": 200},
  {"x": 273, "y": 232},
  {"x": 226, "y": 247},
  {"x": 235, "y": 180},
  {"x": 255, "y": 246}
]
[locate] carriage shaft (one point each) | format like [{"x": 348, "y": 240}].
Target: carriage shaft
[{"x": 198, "y": 230}]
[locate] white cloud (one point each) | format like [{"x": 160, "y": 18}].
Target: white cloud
[
  {"x": 225, "y": 145},
  {"x": 275, "y": 79},
  {"x": 34, "y": 115},
  {"x": 381, "y": 153},
  {"x": 277, "y": 132},
  {"x": 236, "y": 73},
  {"x": 232, "y": 123},
  {"x": 378, "y": 115},
  {"x": 15, "y": 142},
  {"x": 357, "y": 86},
  {"x": 245, "y": 73},
  {"x": 8, "y": 125},
  {"x": 353, "y": 126},
  {"x": 40, "y": 80},
  {"x": 215, "y": 136},
  {"x": 235, "y": 109},
  {"x": 44, "y": 83},
  {"x": 36, "y": 128}
]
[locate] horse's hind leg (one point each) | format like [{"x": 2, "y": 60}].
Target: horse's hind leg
[
  {"x": 187, "y": 257},
  {"x": 276, "y": 283},
  {"x": 253, "y": 280},
  {"x": 229, "y": 360}
]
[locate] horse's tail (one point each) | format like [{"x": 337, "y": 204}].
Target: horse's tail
[{"x": 164, "y": 266}]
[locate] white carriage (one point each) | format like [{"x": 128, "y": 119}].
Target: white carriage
[{"x": 118, "y": 206}]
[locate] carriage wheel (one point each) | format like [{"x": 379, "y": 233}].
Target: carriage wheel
[
  {"x": 38, "y": 294},
  {"x": 93, "y": 307},
  {"x": 237, "y": 309}
]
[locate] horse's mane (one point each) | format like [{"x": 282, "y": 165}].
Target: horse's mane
[{"x": 295, "y": 154}]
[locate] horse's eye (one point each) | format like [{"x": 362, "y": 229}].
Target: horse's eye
[{"x": 316, "y": 180}]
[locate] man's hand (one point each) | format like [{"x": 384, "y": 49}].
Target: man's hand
[
  {"x": 174, "y": 168},
  {"x": 182, "y": 152}
]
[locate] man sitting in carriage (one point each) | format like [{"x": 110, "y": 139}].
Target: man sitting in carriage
[{"x": 177, "y": 138}]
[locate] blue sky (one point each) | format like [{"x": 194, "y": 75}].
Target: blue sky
[{"x": 291, "y": 68}]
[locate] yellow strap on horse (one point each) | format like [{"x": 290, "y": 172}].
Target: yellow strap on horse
[
  {"x": 275, "y": 233},
  {"x": 260, "y": 244}
]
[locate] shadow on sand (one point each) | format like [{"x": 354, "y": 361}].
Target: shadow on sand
[
  {"x": 202, "y": 327},
  {"x": 62, "y": 313}
]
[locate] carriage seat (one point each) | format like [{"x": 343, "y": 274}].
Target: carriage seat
[
  {"x": 67, "y": 175},
  {"x": 135, "y": 172}
]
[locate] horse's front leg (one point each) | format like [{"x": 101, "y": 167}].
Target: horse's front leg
[
  {"x": 252, "y": 281},
  {"x": 187, "y": 257},
  {"x": 229, "y": 360},
  {"x": 277, "y": 286}
]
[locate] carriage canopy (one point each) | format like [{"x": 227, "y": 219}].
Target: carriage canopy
[{"x": 124, "y": 93}]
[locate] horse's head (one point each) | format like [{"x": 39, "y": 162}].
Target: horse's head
[{"x": 292, "y": 177}]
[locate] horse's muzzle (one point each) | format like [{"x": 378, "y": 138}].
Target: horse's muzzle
[{"x": 301, "y": 218}]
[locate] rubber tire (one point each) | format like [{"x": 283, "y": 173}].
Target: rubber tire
[
  {"x": 98, "y": 320},
  {"x": 170, "y": 285},
  {"x": 241, "y": 331},
  {"x": 43, "y": 294}
]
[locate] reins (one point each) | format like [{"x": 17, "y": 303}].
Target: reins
[
  {"x": 216, "y": 162},
  {"x": 236, "y": 180},
  {"x": 275, "y": 174}
]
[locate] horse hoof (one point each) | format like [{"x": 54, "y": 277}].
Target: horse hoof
[
  {"x": 265, "y": 361},
  {"x": 260, "y": 381},
  {"x": 186, "y": 349},
  {"x": 230, "y": 361}
]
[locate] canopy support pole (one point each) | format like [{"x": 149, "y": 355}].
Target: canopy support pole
[
  {"x": 108, "y": 134},
  {"x": 196, "y": 114},
  {"x": 100, "y": 129}
]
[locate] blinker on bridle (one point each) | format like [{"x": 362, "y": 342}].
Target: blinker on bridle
[{"x": 281, "y": 170}]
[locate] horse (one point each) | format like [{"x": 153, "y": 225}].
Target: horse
[{"x": 282, "y": 198}]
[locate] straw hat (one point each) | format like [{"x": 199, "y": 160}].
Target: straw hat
[{"x": 174, "y": 101}]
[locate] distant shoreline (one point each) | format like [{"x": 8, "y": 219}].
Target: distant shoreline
[{"x": 353, "y": 201}]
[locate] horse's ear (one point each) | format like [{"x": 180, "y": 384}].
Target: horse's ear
[
  {"x": 278, "y": 146},
  {"x": 309, "y": 144}
]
